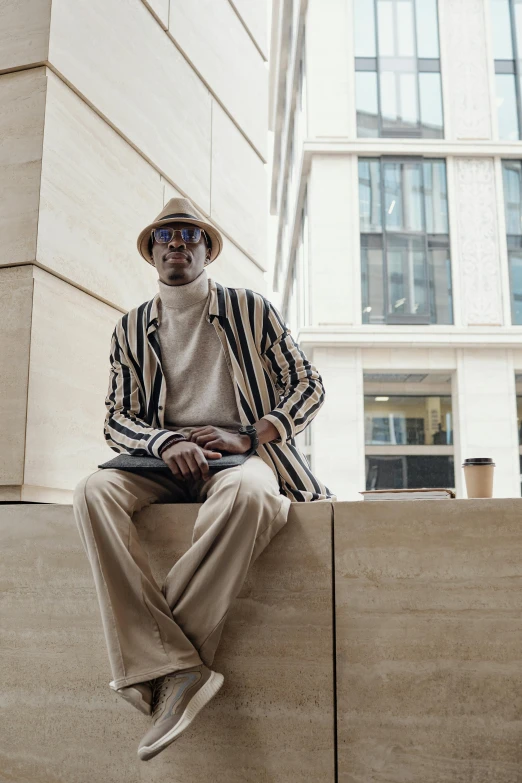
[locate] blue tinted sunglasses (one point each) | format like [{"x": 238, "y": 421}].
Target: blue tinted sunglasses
[{"x": 189, "y": 235}]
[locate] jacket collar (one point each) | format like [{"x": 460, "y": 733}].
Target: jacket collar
[{"x": 216, "y": 305}]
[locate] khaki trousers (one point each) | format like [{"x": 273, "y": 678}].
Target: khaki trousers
[{"x": 151, "y": 631}]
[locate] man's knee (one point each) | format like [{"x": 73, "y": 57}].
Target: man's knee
[
  {"x": 258, "y": 481},
  {"x": 257, "y": 491},
  {"x": 91, "y": 485}
]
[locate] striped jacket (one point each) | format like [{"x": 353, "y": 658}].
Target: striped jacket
[{"x": 273, "y": 379}]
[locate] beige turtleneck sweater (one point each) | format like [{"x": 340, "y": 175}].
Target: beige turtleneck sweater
[{"x": 200, "y": 389}]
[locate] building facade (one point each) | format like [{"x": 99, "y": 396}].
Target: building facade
[
  {"x": 107, "y": 110},
  {"x": 397, "y": 179}
]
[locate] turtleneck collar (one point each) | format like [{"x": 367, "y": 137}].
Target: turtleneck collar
[{"x": 181, "y": 296}]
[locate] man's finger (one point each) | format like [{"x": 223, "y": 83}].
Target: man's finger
[
  {"x": 204, "y": 439},
  {"x": 193, "y": 466},
  {"x": 203, "y": 465},
  {"x": 174, "y": 468},
  {"x": 182, "y": 465},
  {"x": 214, "y": 444},
  {"x": 200, "y": 430}
]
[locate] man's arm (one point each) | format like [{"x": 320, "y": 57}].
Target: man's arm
[
  {"x": 124, "y": 430},
  {"x": 295, "y": 377}
]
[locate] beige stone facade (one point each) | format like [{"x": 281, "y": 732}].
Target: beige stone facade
[{"x": 109, "y": 109}]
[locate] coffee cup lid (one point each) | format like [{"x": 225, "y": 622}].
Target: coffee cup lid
[{"x": 478, "y": 461}]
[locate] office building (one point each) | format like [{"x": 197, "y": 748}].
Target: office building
[{"x": 397, "y": 182}]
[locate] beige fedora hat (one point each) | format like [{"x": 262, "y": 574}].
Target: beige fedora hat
[{"x": 183, "y": 211}]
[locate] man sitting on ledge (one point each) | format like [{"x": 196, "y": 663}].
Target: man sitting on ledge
[{"x": 197, "y": 370}]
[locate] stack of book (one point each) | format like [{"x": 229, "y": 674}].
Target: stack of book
[{"x": 408, "y": 494}]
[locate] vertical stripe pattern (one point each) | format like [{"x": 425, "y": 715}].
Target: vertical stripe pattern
[{"x": 273, "y": 378}]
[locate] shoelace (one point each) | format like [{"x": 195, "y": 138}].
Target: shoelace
[
  {"x": 159, "y": 691},
  {"x": 160, "y": 688}
]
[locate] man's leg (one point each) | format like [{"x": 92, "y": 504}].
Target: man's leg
[
  {"x": 242, "y": 511},
  {"x": 143, "y": 639}
]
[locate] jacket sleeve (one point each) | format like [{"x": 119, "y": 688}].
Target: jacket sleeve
[
  {"x": 297, "y": 380},
  {"x": 124, "y": 429}
]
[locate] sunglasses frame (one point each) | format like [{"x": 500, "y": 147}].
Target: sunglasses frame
[{"x": 179, "y": 230}]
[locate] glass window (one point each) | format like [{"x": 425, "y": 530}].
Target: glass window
[
  {"x": 370, "y": 195},
  {"x": 430, "y": 91},
  {"x": 517, "y": 20},
  {"x": 512, "y": 176},
  {"x": 422, "y": 421},
  {"x": 364, "y": 28},
  {"x": 403, "y": 194},
  {"x": 403, "y": 26},
  {"x": 506, "y": 21},
  {"x": 367, "y": 104},
  {"x": 399, "y": 107},
  {"x": 427, "y": 29},
  {"x": 501, "y": 30},
  {"x": 408, "y": 420},
  {"x": 507, "y": 112},
  {"x": 515, "y": 267},
  {"x": 405, "y": 99},
  {"x": 372, "y": 276},
  {"x": 410, "y": 472},
  {"x": 407, "y": 276},
  {"x": 385, "y": 28},
  {"x": 405, "y": 258},
  {"x": 519, "y": 418},
  {"x": 435, "y": 197},
  {"x": 512, "y": 196},
  {"x": 441, "y": 298}
]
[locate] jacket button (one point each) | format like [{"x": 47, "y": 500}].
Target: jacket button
[{"x": 160, "y": 407}]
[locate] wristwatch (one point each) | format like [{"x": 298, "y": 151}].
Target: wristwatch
[{"x": 250, "y": 430}]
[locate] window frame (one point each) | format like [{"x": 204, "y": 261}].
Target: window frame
[
  {"x": 513, "y": 241},
  {"x": 421, "y": 65},
  {"x": 511, "y": 66},
  {"x": 429, "y": 239}
]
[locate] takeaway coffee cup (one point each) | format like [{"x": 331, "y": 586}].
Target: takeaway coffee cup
[{"x": 478, "y": 472}]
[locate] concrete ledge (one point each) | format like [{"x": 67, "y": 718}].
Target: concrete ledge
[
  {"x": 428, "y": 639},
  {"x": 428, "y": 601},
  {"x": 273, "y": 719}
]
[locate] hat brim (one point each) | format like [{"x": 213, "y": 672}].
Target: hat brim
[{"x": 215, "y": 237}]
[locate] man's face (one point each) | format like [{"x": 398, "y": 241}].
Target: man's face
[{"x": 179, "y": 262}]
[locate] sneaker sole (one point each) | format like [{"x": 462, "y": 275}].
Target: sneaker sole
[{"x": 198, "y": 701}]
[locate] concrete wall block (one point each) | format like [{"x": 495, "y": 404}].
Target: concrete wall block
[
  {"x": 22, "y": 97},
  {"x": 276, "y": 654},
  {"x": 16, "y": 302},
  {"x": 58, "y": 370},
  {"x": 126, "y": 77},
  {"x": 215, "y": 41},
  {"x": 255, "y": 17},
  {"x": 428, "y": 633},
  {"x": 24, "y": 33},
  {"x": 97, "y": 194},
  {"x": 238, "y": 186}
]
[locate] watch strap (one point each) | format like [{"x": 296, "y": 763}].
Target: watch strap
[{"x": 251, "y": 431}]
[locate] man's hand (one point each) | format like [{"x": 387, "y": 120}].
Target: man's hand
[
  {"x": 188, "y": 460},
  {"x": 216, "y": 438}
]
